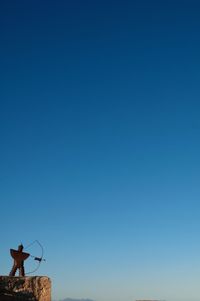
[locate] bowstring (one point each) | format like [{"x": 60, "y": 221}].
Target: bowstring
[
  {"x": 38, "y": 265},
  {"x": 32, "y": 243}
]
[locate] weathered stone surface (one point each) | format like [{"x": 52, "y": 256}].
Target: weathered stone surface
[{"x": 25, "y": 288}]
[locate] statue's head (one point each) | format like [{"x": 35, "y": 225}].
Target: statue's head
[{"x": 20, "y": 248}]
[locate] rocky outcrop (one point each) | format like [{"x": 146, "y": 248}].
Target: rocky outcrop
[{"x": 25, "y": 288}]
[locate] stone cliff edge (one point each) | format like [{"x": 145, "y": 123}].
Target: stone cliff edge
[{"x": 36, "y": 288}]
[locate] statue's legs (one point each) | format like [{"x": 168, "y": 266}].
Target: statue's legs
[
  {"x": 13, "y": 271},
  {"x": 21, "y": 271}
]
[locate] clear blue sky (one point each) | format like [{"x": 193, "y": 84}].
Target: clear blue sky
[{"x": 100, "y": 144}]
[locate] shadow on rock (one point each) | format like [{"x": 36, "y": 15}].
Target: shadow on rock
[{"x": 7, "y": 295}]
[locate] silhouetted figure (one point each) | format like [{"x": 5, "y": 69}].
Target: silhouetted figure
[{"x": 19, "y": 256}]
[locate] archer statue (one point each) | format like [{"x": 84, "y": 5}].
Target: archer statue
[{"x": 19, "y": 257}]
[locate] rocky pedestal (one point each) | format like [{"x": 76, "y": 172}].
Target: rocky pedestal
[{"x": 25, "y": 288}]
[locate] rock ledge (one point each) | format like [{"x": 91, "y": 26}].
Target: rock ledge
[{"x": 37, "y": 288}]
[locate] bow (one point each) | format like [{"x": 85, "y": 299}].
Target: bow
[{"x": 39, "y": 259}]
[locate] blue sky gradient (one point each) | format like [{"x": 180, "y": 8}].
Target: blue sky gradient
[{"x": 100, "y": 127}]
